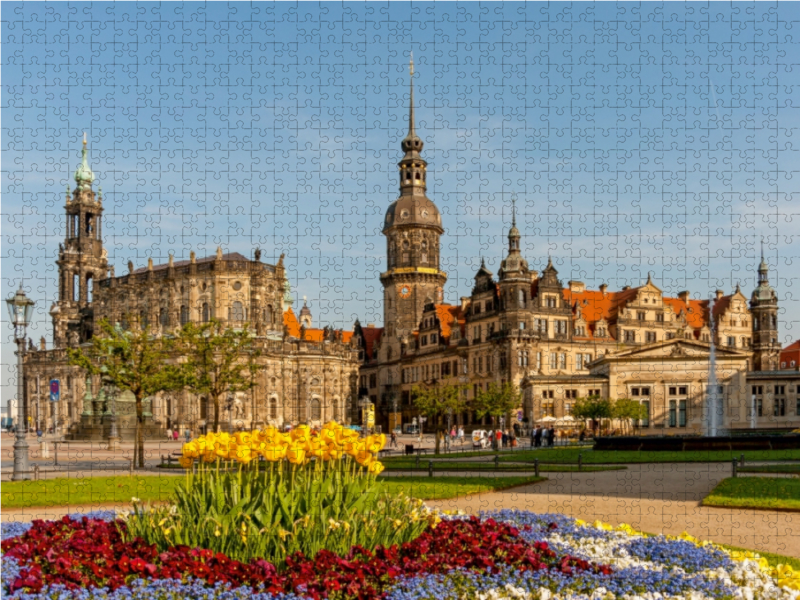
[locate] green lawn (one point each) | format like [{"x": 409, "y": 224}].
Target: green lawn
[
  {"x": 410, "y": 465},
  {"x": 787, "y": 468},
  {"x": 756, "y": 492},
  {"x": 110, "y": 490},
  {"x": 570, "y": 455}
]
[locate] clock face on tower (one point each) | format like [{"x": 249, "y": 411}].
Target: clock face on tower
[{"x": 405, "y": 291}]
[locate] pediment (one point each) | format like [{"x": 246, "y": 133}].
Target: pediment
[{"x": 676, "y": 348}]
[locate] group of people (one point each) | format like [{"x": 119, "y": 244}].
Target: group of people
[
  {"x": 174, "y": 434},
  {"x": 542, "y": 436}
]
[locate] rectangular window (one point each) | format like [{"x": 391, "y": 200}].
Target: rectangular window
[
  {"x": 779, "y": 407},
  {"x": 645, "y": 391},
  {"x": 651, "y": 336},
  {"x": 630, "y": 336},
  {"x": 731, "y": 341},
  {"x": 759, "y": 407},
  {"x": 480, "y": 364},
  {"x": 563, "y": 360},
  {"x": 682, "y": 413},
  {"x": 673, "y": 413},
  {"x": 538, "y": 361},
  {"x": 640, "y": 316},
  {"x": 579, "y": 361},
  {"x": 553, "y": 360},
  {"x": 634, "y": 391},
  {"x": 548, "y": 409},
  {"x": 660, "y": 317},
  {"x": 561, "y": 327},
  {"x": 522, "y": 325},
  {"x": 373, "y": 380},
  {"x": 780, "y": 390},
  {"x": 541, "y": 326}
]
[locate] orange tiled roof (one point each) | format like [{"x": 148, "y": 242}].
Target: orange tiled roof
[
  {"x": 596, "y": 305},
  {"x": 372, "y": 335},
  {"x": 312, "y": 334}
]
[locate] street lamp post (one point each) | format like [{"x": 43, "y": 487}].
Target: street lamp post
[{"x": 20, "y": 310}]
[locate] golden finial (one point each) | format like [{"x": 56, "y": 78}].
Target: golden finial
[{"x": 84, "y": 138}]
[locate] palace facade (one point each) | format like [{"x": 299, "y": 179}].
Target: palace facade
[
  {"x": 559, "y": 342},
  {"x": 307, "y": 374}
]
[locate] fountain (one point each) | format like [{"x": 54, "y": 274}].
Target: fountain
[{"x": 712, "y": 391}]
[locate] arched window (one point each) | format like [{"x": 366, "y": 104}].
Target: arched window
[
  {"x": 774, "y": 322},
  {"x": 424, "y": 248},
  {"x": 163, "y": 317},
  {"x": 269, "y": 315},
  {"x": 273, "y": 408},
  {"x": 316, "y": 409},
  {"x": 237, "y": 311},
  {"x": 336, "y": 411},
  {"x": 206, "y": 312},
  {"x": 522, "y": 298},
  {"x": 89, "y": 287},
  {"x": 392, "y": 253},
  {"x": 76, "y": 287},
  {"x": 184, "y": 314}
]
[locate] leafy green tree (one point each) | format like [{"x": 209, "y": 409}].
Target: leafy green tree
[
  {"x": 132, "y": 360},
  {"x": 497, "y": 400},
  {"x": 628, "y": 411},
  {"x": 219, "y": 360},
  {"x": 436, "y": 401},
  {"x": 594, "y": 408}
]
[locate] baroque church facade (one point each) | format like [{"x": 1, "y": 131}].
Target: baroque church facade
[
  {"x": 558, "y": 343},
  {"x": 306, "y": 375}
]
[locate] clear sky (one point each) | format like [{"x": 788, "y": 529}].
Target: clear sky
[{"x": 637, "y": 138}]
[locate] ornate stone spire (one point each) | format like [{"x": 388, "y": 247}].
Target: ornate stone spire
[
  {"x": 411, "y": 144},
  {"x": 83, "y": 175}
]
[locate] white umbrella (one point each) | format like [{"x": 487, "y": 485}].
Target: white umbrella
[{"x": 547, "y": 419}]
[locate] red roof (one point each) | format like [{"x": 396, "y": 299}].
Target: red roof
[
  {"x": 596, "y": 305},
  {"x": 371, "y": 336},
  {"x": 312, "y": 334}
]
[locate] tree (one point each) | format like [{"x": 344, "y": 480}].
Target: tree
[
  {"x": 436, "y": 401},
  {"x": 214, "y": 364},
  {"x": 132, "y": 360},
  {"x": 594, "y": 408},
  {"x": 629, "y": 411},
  {"x": 497, "y": 400}
]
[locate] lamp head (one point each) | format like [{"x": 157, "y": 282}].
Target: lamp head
[{"x": 20, "y": 309}]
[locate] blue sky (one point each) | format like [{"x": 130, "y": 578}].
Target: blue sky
[{"x": 637, "y": 137}]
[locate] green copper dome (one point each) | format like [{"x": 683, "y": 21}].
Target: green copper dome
[{"x": 84, "y": 176}]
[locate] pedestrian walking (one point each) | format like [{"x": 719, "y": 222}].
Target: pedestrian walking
[
  {"x": 394, "y": 440},
  {"x": 545, "y": 431},
  {"x": 538, "y": 437},
  {"x": 169, "y": 433},
  {"x": 461, "y": 435},
  {"x": 552, "y": 436},
  {"x": 188, "y": 435}
]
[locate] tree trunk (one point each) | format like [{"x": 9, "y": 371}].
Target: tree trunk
[
  {"x": 139, "y": 445},
  {"x": 216, "y": 413},
  {"x": 438, "y": 439}
]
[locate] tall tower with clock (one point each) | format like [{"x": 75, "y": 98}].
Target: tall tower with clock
[{"x": 413, "y": 226}]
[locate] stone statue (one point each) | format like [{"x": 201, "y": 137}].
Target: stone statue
[
  {"x": 31, "y": 347},
  {"x": 258, "y": 254},
  {"x": 73, "y": 339},
  {"x": 60, "y": 248},
  {"x": 285, "y": 331},
  {"x": 302, "y": 332},
  {"x": 42, "y": 344},
  {"x": 130, "y": 266},
  {"x": 111, "y": 272},
  {"x": 326, "y": 333}
]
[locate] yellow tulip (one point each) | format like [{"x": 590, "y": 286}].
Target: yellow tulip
[
  {"x": 242, "y": 438},
  {"x": 190, "y": 450},
  {"x": 301, "y": 432},
  {"x": 209, "y": 456},
  {"x": 186, "y": 462},
  {"x": 376, "y": 443},
  {"x": 364, "y": 458},
  {"x": 243, "y": 454},
  {"x": 296, "y": 454},
  {"x": 275, "y": 453},
  {"x": 376, "y": 468}
]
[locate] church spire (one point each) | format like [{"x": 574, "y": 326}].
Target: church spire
[
  {"x": 83, "y": 175},
  {"x": 513, "y": 233},
  {"x": 411, "y": 144}
]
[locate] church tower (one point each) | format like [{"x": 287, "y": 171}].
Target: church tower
[
  {"x": 412, "y": 228},
  {"x": 764, "y": 310},
  {"x": 82, "y": 260},
  {"x": 515, "y": 279}
]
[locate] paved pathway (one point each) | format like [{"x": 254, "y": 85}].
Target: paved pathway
[{"x": 657, "y": 498}]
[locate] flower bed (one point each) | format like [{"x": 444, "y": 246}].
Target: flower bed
[{"x": 505, "y": 554}]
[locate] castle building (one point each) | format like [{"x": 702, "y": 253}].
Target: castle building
[
  {"x": 559, "y": 343},
  {"x": 306, "y": 375}
]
